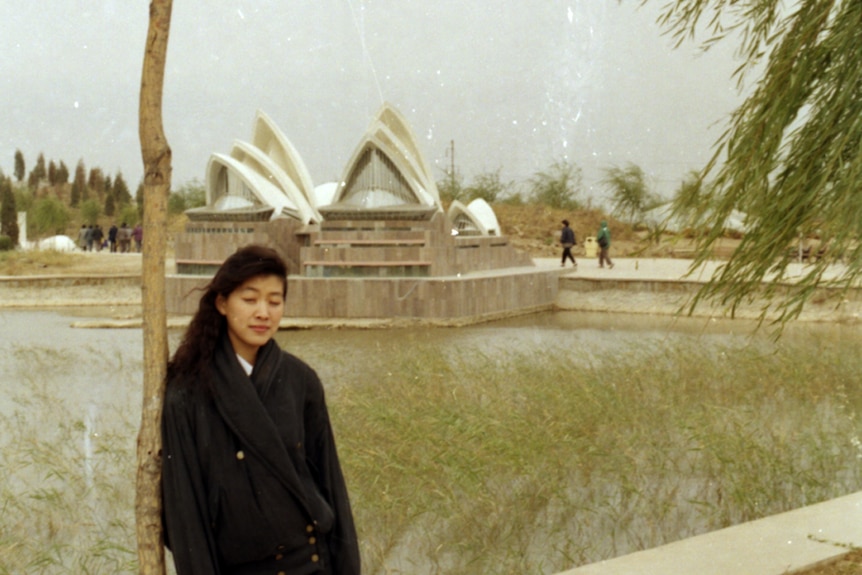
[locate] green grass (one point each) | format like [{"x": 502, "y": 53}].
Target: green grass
[{"x": 486, "y": 463}]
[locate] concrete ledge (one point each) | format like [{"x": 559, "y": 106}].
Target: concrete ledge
[
  {"x": 780, "y": 544},
  {"x": 64, "y": 281}
]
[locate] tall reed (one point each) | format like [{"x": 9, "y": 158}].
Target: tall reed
[
  {"x": 537, "y": 462},
  {"x": 479, "y": 461}
]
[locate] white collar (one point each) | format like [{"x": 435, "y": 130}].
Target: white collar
[{"x": 245, "y": 364}]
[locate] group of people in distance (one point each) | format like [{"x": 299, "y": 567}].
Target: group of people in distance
[
  {"x": 568, "y": 241},
  {"x": 92, "y": 238}
]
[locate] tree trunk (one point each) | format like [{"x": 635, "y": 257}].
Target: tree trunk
[{"x": 157, "y": 184}]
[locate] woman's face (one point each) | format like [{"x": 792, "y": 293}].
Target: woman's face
[{"x": 253, "y": 311}]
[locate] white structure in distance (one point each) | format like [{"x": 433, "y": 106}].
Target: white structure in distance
[{"x": 266, "y": 179}]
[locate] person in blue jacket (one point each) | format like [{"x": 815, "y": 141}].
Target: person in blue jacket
[{"x": 567, "y": 240}]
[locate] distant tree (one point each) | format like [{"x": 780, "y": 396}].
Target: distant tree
[
  {"x": 630, "y": 195},
  {"x": 23, "y": 198},
  {"x": 487, "y": 186},
  {"x": 39, "y": 172},
  {"x": 450, "y": 188},
  {"x": 139, "y": 198},
  {"x": 110, "y": 205},
  {"x": 20, "y": 170},
  {"x": 192, "y": 194},
  {"x": 79, "y": 184},
  {"x": 49, "y": 215},
  {"x": 122, "y": 196},
  {"x": 791, "y": 156},
  {"x": 52, "y": 173},
  {"x": 110, "y": 200},
  {"x": 8, "y": 211},
  {"x": 96, "y": 182},
  {"x": 130, "y": 214},
  {"x": 558, "y": 186},
  {"x": 90, "y": 211},
  {"x": 62, "y": 173}
]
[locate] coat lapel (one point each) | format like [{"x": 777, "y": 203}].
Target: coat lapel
[{"x": 238, "y": 402}]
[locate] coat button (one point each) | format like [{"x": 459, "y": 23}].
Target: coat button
[
  {"x": 240, "y": 455},
  {"x": 315, "y": 558},
  {"x": 282, "y": 573},
  {"x": 279, "y": 557},
  {"x": 309, "y": 528},
  {"x": 312, "y": 540}
]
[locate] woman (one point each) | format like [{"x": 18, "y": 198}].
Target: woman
[{"x": 251, "y": 479}]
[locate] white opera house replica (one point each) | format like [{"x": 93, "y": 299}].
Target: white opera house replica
[{"x": 356, "y": 248}]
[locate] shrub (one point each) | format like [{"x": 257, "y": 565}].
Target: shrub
[
  {"x": 192, "y": 194},
  {"x": 90, "y": 211},
  {"x": 6, "y": 244},
  {"x": 487, "y": 186},
  {"x": 49, "y": 215},
  {"x": 558, "y": 187}
]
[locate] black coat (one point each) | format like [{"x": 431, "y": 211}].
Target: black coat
[{"x": 251, "y": 474}]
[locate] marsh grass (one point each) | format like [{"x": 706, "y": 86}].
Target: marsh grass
[
  {"x": 538, "y": 462},
  {"x": 480, "y": 461},
  {"x": 67, "y": 493}
]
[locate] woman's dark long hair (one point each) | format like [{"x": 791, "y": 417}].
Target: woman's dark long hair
[{"x": 194, "y": 355}]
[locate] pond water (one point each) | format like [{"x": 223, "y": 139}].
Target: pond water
[{"x": 92, "y": 368}]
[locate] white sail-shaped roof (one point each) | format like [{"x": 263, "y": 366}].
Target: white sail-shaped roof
[
  {"x": 463, "y": 221},
  {"x": 483, "y": 212},
  {"x": 265, "y": 176},
  {"x": 256, "y": 159},
  {"x": 387, "y": 169},
  {"x": 267, "y": 137},
  {"x": 229, "y": 178}
]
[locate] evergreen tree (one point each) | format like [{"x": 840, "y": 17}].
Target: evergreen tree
[
  {"x": 52, "y": 173},
  {"x": 62, "y": 173},
  {"x": 122, "y": 196},
  {"x": 96, "y": 182},
  {"x": 792, "y": 154},
  {"x": 139, "y": 199},
  {"x": 8, "y": 211},
  {"x": 79, "y": 185},
  {"x": 110, "y": 205},
  {"x": 19, "y": 165},
  {"x": 40, "y": 169}
]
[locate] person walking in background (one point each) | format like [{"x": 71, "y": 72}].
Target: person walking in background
[
  {"x": 98, "y": 236},
  {"x": 82, "y": 237},
  {"x": 138, "y": 236},
  {"x": 124, "y": 237},
  {"x": 251, "y": 479},
  {"x": 112, "y": 238},
  {"x": 603, "y": 238},
  {"x": 88, "y": 238},
  {"x": 567, "y": 240}
]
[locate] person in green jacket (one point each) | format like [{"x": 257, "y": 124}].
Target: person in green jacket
[{"x": 604, "y": 240}]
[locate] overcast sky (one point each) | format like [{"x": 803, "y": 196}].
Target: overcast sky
[{"x": 516, "y": 85}]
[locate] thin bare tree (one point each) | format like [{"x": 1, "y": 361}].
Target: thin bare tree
[{"x": 156, "y": 155}]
